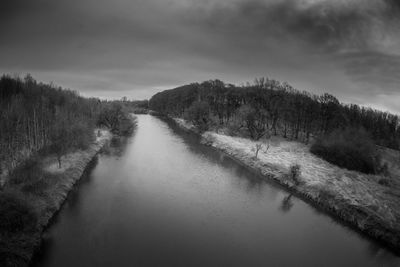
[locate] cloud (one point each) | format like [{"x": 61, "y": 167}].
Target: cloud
[
  {"x": 328, "y": 25},
  {"x": 360, "y": 38},
  {"x": 373, "y": 69},
  {"x": 349, "y": 48}
]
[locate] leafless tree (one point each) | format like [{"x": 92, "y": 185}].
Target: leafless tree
[{"x": 257, "y": 148}]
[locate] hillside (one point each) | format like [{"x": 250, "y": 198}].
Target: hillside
[{"x": 274, "y": 107}]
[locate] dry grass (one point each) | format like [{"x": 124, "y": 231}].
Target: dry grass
[
  {"x": 353, "y": 187},
  {"x": 369, "y": 202}
]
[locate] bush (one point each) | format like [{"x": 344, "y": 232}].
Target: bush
[
  {"x": 37, "y": 187},
  {"x": 295, "y": 172},
  {"x": 254, "y": 119},
  {"x": 233, "y": 127},
  {"x": 199, "y": 114},
  {"x": 28, "y": 172},
  {"x": 126, "y": 125},
  {"x": 116, "y": 118},
  {"x": 384, "y": 182},
  {"x": 82, "y": 135},
  {"x": 30, "y": 178},
  {"x": 351, "y": 148},
  {"x": 69, "y": 135},
  {"x": 16, "y": 214},
  {"x": 141, "y": 111}
]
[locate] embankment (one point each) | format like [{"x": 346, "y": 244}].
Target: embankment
[
  {"x": 357, "y": 200},
  {"x": 45, "y": 198}
]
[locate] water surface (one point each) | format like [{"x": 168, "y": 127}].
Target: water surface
[{"x": 163, "y": 199}]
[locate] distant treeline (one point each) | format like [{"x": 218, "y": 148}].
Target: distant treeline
[
  {"x": 268, "y": 106},
  {"x": 36, "y": 116},
  {"x": 134, "y": 106}
]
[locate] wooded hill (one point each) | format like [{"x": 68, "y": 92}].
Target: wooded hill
[
  {"x": 36, "y": 117},
  {"x": 268, "y": 106},
  {"x": 344, "y": 135}
]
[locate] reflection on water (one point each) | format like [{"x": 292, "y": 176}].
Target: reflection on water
[
  {"x": 116, "y": 147},
  {"x": 287, "y": 203},
  {"x": 161, "y": 198},
  {"x": 74, "y": 197},
  {"x": 253, "y": 181}
]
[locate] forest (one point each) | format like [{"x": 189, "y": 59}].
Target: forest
[
  {"x": 40, "y": 121},
  {"x": 43, "y": 118},
  {"x": 269, "y": 107}
]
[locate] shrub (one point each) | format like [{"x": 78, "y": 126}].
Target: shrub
[
  {"x": 68, "y": 135},
  {"x": 16, "y": 214},
  {"x": 28, "y": 172},
  {"x": 82, "y": 135},
  {"x": 384, "y": 169},
  {"x": 199, "y": 114},
  {"x": 295, "y": 172},
  {"x": 36, "y": 188},
  {"x": 127, "y": 124},
  {"x": 262, "y": 145},
  {"x": 116, "y": 118},
  {"x": 208, "y": 139},
  {"x": 141, "y": 111},
  {"x": 384, "y": 182},
  {"x": 233, "y": 127},
  {"x": 351, "y": 148},
  {"x": 30, "y": 178},
  {"x": 326, "y": 195},
  {"x": 254, "y": 121}
]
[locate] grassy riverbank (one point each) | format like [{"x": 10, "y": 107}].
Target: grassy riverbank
[
  {"x": 33, "y": 199},
  {"x": 365, "y": 202}
]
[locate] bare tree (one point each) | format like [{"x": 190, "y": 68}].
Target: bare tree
[
  {"x": 262, "y": 145},
  {"x": 257, "y": 148},
  {"x": 61, "y": 141},
  {"x": 267, "y": 145}
]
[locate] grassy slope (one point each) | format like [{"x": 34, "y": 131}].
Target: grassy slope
[
  {"x": 357, "y": 198},
  {"x": 46, "y": 200}
]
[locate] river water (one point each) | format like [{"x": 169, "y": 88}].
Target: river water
[{"x": 163, "y": 199}]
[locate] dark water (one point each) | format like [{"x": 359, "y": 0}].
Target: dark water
[{"x": 163, "y": 199}]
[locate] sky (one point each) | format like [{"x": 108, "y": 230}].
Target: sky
[{"x": 135, "y": 48}]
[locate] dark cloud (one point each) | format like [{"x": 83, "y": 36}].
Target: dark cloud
[
  {"x": 359, "y": 37},
  {"x": 350, "y": 48},
  {"x": 393, "y": 6},
  {"x": 329, "y": 25}
]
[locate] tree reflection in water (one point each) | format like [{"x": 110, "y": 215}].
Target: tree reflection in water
[{"x": 287, "y": 203}]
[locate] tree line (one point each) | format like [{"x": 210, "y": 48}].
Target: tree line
[
  {"x": 270, "y": 107},
  {"x": 38, "y": 117},
  {"x": 38, "y": 120}
]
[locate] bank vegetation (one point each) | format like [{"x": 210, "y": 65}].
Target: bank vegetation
[
  {"x": 344, "y": 158},
  {"x": 48, "y": 135}
]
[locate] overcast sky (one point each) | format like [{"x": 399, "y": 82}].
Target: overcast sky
[{"x": 134, "y": 48}]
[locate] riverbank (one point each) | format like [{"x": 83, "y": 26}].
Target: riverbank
[
  {"x": 44, "y": 197},
  {"x": 367, "y": 203}
]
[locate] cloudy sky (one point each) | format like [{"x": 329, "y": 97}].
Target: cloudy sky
[{"x": 134, "y": 48}]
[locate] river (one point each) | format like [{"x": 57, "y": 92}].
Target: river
[{"x": 163, "y": 199}]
